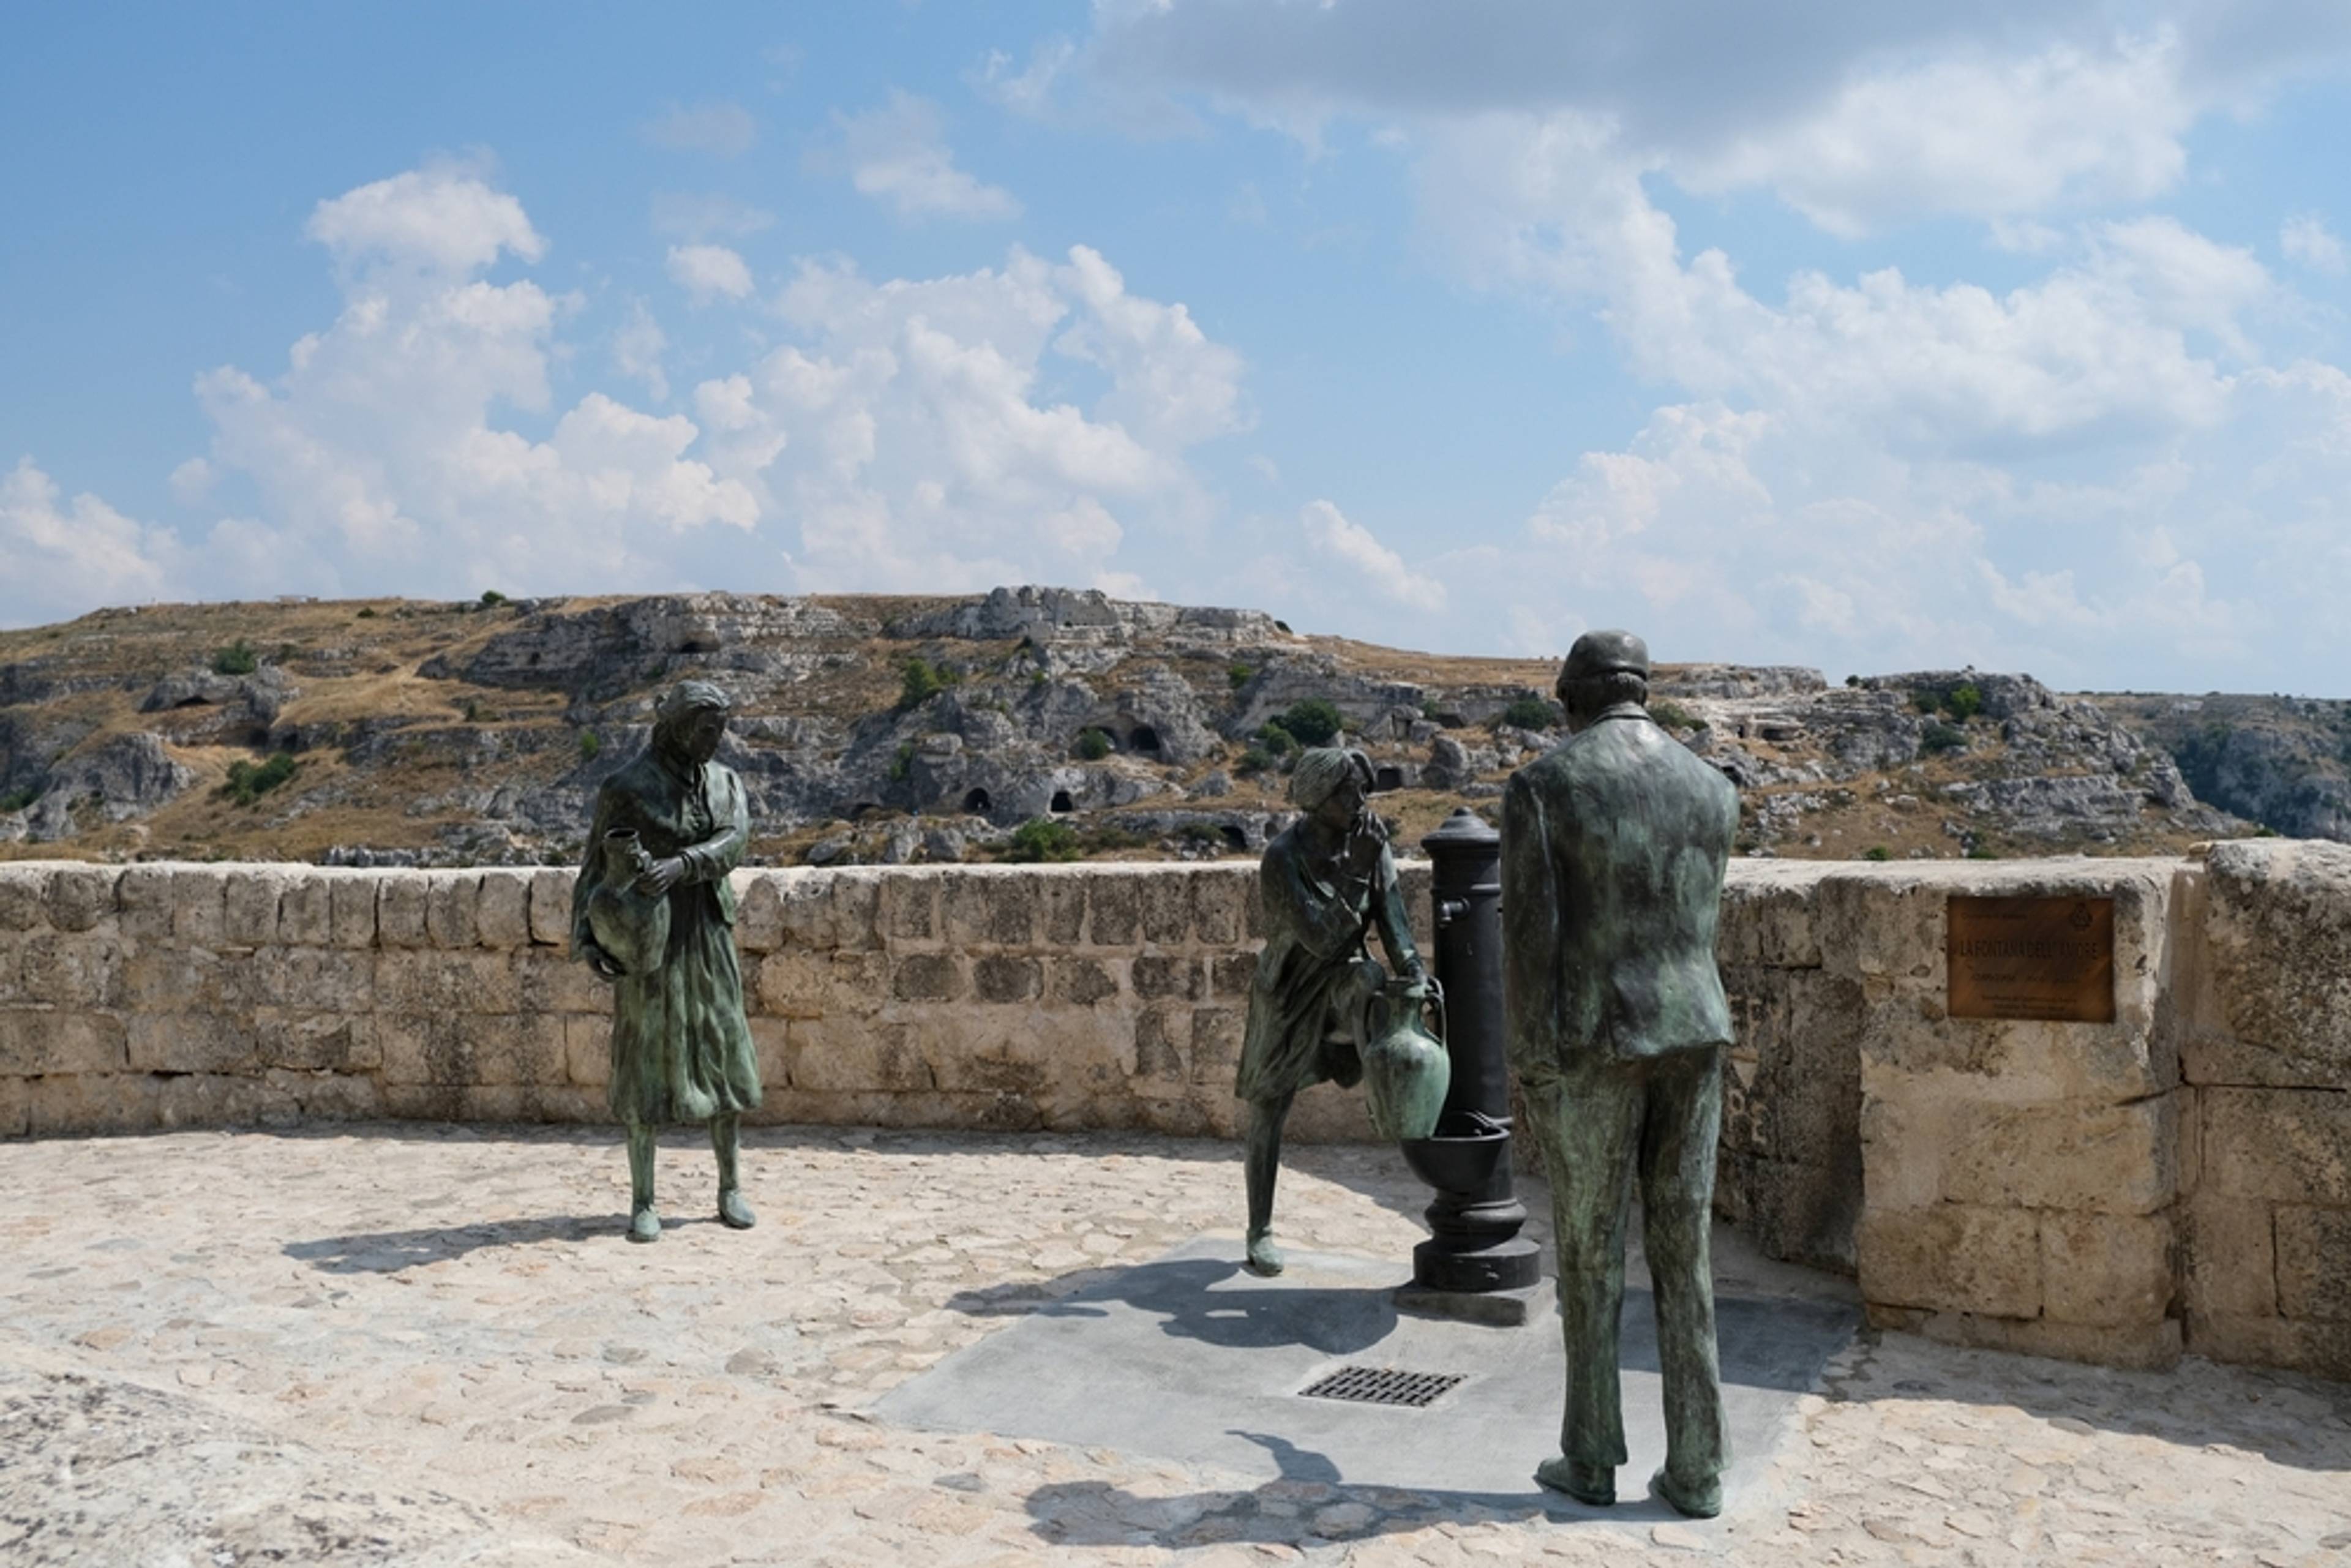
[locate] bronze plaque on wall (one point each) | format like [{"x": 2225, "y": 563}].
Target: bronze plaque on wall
[{"x": 2032, "y": 958}]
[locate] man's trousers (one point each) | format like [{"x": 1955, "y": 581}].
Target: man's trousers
[{"x": 1600, "y": 1120}]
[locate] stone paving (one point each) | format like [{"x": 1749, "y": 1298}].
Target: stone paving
[{"x": 430, "y": 1344}]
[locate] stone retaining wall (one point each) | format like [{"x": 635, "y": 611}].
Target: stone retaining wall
[{"x": 2107, "y": 1192}]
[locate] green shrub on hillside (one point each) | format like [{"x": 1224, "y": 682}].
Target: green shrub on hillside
[
  {"x": 237, "y": 659},
  {"x": 1094, "y": 744},
  {"x": 248, "y": 782},
  {"x": 1041, "y": 839},
  {"x": 1313, "y": 721},
  {"x": 1528, "y": 712}
]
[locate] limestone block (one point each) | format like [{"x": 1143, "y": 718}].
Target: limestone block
[
  {"x": 143, "y": 903},
  {"x": 453, "y": 908},
  {"x": 1166, "y": 908},
  {"x": 71, "y": 1103},
  {"x": 1081, "y": 982},
  {"x": 1001, "y": 977},
  {"x": 354, "y": 900},
  {"x": 192, "y": 1042},
  {"x": 1113, "y": 908},
  {"x": 855, "y": 896},
  {"x": 1803, "y": 1027},
  {"x": 808, "y": 983},
  {"x": 80, "y": 897},
  {"x": 1061, "y": 905},
  {"x": 1886, "y": 927},
  {"x": 70, "y": 971},
  {"x": 588, "y": 1050},
  {"x": 2316, "y": 1345},
  {"x": 199, "y": 906},
  {"x": 988, "y": 908},
  {"x": 1160, "y": 977},
  {"x": 168, "y": 979},
  {"x": 249, "y": 905},
  {"x": 1767, "y": 916},
  {"x": 1801, "y": 1213},
  {"x": 549, "y": 981},
  {"x": 1233, "y": 973},
  {"x": 1160, "y": 1035},
  {"x": 910, "y": 906},
  {"x": 2232, "y": 1260},
  {"x": 926, "y": 977},
  {"x": 23, "y": 896},
  {"x": 2149, "y": 1346},
  {"x": 306, "y": 910},
  {"x": 2313, "y": 1263},
  {"x": 2280, "y": 1145},
  {"x": 1216, "y": 1048},
  {"x": 400, "y": 909},
  {"x": 318, "y": 980},
  {"x": 328, "y": 1096},
  {"x": 1253, "y": 929},
  {"x": 759, "y": 910},
  {"x": 16, "y": 1106},
  {"x": 1951, "y": 1256},
  {"x": 770, "y": 1048},
  {"x": 2106, "y": 1268},
  {"x": 1035, "y": 1054},
  {"x": 551, "y": 905},
  {"x": 837, "y": 1055},
  {"x": 548, "y": 1103},
  {"x": 1327, "y": 1114},
  {"x": 1218, "y": 894},
  {"x": 2275, "y": 980},
  {"x": 502, "y": 914},
  {"x": 304, "y": 1043},
  {"x": 452, "y": 984},
  {"x": 2108, "y": 1159},
  {"x": 41, "y": 1041},
  {"x": 461, "y": 1050}
]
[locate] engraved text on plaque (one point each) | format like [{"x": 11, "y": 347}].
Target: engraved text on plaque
[{"x": 2032, "y": 958}]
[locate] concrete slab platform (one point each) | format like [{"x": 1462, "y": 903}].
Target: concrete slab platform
[{"x": 1192, "y": 1358}]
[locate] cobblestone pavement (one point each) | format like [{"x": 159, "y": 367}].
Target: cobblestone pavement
[{"x": 393, "y": 1328}]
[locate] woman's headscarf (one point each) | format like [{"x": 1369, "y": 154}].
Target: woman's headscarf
[
  {"x": 1321, "y": 771},
  {"x": 677, "y": 710}
]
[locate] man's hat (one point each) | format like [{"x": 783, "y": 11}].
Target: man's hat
[{"x": 1607, "y": 654}]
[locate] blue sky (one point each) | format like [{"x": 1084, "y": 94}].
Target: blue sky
[{"x": 1871, "y": 337}]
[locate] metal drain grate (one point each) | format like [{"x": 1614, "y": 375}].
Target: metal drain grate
[{"x": 1384, "y": 1386}]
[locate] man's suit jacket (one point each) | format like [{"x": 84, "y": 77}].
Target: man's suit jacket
[{"x": 1614, "y": 847}]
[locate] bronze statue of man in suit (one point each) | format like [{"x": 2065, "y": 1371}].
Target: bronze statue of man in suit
[{"x": 1613, "y": 848}]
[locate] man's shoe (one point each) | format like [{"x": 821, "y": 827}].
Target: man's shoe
[
  {"x": 644, "y": 1225},
  {"x": 1703, "y": 1500},
  {"x": 733, "y": 1212},
  {"x": 1592, "y": 1484},
  {"x": 1264, "y": 1257}
]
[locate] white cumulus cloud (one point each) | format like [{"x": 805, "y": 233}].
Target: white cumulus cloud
[
  {"x": 441, "y": 219},
  {"x": 709, "y": 272},
  {"x": 2307, "y": 239},
  {"x": 1330, "y": 535},
  {"x": 897, "y": 153},
  {"x": 59, "y": 557}
]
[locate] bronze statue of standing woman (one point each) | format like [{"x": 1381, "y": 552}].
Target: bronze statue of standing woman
[
  {"x": 652, "y": 913},
  {"x": 1327, "y": 880}
]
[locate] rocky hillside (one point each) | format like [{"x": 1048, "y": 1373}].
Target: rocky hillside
[
  {"x": 2284, "y": 762},
  {"x": 1029, "y": 722}
]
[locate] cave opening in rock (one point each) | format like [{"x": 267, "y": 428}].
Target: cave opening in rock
[
  {"x": 1388, "y": 779},
  {"x": 1061, "y": 801},
  {"x": 977, "y": 804},
  {"x": 1234, "y": 837},
  {"x": 1143, "y": 739}
]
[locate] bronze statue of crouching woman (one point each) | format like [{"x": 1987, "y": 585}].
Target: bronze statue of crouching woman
[
  {"x": 651, "y": 913},
  {"x": 1326, "y": 880}
]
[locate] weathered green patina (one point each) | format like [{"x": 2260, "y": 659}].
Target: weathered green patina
[
  {"x": 681, "y": 1048},
  {"x": 1327, "y": 880},
  {"x": 1613, "y": 850}
]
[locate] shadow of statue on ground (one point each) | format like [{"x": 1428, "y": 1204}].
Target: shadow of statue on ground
[
  {"x": 1343, "y": 1318},
  {"x": 389, "y": 1251}
]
